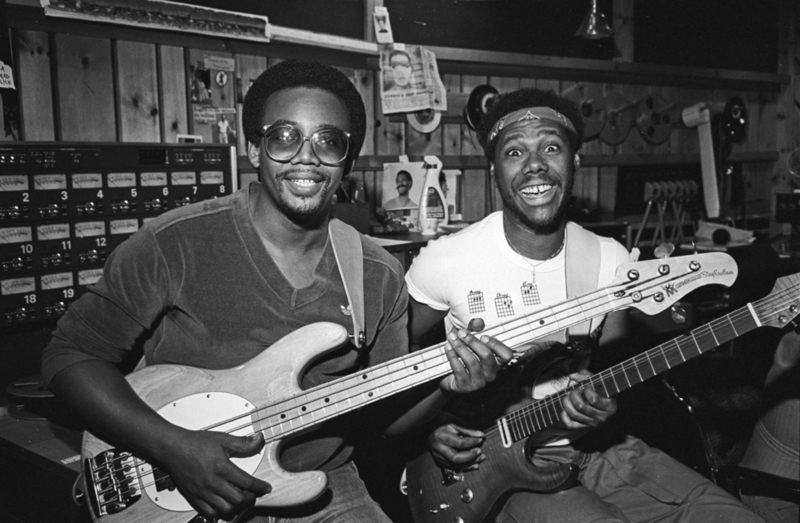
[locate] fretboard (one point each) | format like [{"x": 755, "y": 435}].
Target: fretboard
[
  {"x": 309, "y": 408},
  {"x": 542, "y": 414}
]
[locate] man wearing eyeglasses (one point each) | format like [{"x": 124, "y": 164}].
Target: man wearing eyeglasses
[{"x": 214, "y": 285}]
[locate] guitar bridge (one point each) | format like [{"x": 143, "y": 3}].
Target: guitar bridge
[
  {"x": 450, "y": 477},
  {"x": 112, "y": 482}
]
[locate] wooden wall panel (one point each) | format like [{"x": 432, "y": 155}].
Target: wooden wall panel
[
  {"x": 248, "y": 68},
  {"x": 85, "y": 89},
  {"x": 173, "y": 93},
  {"x": 35, "y": 85},
  {"x": 137, "y": 81},
  {"x": 364, "y": 81}
]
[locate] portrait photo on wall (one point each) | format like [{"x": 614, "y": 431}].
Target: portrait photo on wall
[
  {"x": 201, "y": 84},
  {"x": 402, "y": 188}
]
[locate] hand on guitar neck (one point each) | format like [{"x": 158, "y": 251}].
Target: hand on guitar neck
[{"x": 459, "y": 448}]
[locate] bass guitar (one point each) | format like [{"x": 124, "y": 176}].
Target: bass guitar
[
  {"x": 441, "y": 495},
  {"x": 263, "y": 394}
]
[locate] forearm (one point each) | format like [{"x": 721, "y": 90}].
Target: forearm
[{"x": 99, "y": 393}]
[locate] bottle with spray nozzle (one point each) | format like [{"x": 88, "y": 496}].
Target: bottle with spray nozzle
[{"x": 433, "y": 210}]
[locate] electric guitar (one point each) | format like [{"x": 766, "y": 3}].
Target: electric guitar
[
  {"x": 442, "y": 495},
  {"x": 263, "y": 394}
]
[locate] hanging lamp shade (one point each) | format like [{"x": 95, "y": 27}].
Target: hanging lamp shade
[{"x": 594, "y": 25}]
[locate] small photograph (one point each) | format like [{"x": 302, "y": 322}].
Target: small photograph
[
  {"x": 201, "y": 84},
  {"x": 224, "y": 130},
  {"x": 189, "y": 138},
  {"x": 383, "y": 28},
  {"x": 402, "y": 70},
  {"x": 402, "y": 188},
  {"x": 448, "y": 181}
]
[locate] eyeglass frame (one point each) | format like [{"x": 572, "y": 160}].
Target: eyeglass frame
[{"x": 265, "y": 129}]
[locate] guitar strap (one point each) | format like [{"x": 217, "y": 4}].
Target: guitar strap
[
  {"x": 582, "y": 271},
  {"x": 347, "y": 249}
]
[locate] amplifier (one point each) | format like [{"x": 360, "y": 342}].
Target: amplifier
[{"x": 65, "y": 206}]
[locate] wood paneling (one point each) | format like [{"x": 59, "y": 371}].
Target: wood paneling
[
  {"x": 35, "y": 85},
  {"x": 173, "y": 103},
  {"x": 139, "y": 108},
  {"x": 85, "y": 89}
]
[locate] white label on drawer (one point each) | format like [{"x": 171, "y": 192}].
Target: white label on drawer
[
  {"x": 89, "y": 277},
  {"x": 88, "y": 229},
  {"x": 121, "y": 179},
  {"x": 49, "y": 182},
  {"x": 56, "y": 281},
  {"x": 153, "y": 179},
  {"x": 15, "y": 182},
  {"x": 87, "y": 181},
  {"x": 211, "y": 178},
  {"x": 18, "y": 286},
  {"x": 57, "y": 231},
  {"x": 123, "y": 226},
  {"x": 16, "y": 234},
  {"x": 183, "y": 178}
]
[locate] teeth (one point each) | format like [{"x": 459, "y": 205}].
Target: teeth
[
  {"x": 304, "y": 182},
  {"x": 537, "y": 189}
]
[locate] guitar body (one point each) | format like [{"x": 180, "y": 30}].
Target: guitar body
[
  {"x": 199, "y": 398},
  {"x": 440, "y": 496}
]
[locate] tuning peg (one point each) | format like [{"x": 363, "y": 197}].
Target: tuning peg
[
  {"x": 678, "y": 314},
  {"x": 664, "y": 250}
]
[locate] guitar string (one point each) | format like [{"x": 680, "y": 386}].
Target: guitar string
[
  {"x": 673, "y": 347},
  {"x": 648, "y": 284},
  {"x": 670, "y": 348}
]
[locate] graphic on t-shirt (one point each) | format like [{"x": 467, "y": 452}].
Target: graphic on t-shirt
[
  {"x": 530, "y": 294},
  {"x": 476, "y": 302},
  {"x": 502, "y": 302}
]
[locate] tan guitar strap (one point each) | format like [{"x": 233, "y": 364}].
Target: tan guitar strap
[
  {"x": 347, "y": 249},
  {"x": 582, "y": 271}
]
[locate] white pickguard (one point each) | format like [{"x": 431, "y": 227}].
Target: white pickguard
[{"x": 218, "y": 411}]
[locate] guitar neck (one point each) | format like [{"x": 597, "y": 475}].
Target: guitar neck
[
  {"x": 544, "y": 413},
  {"x": 343, "y": 395}
]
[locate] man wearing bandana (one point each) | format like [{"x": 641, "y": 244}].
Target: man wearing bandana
[{"x": 525, "y": 258}]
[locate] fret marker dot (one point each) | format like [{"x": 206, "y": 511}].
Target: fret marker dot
[
  {"x": 416, "y": 367},
  {"x": 327, "y": 400},
  {"x": 303, "y": 409}
]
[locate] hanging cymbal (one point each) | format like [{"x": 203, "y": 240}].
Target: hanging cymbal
[
  {"x": 655, "y": 118},
  {"x": 591, "y": 103},
  {"x": 619, "y": 119}
]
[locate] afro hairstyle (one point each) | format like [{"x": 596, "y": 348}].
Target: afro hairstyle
[
  {"x": 529, "y": 97},
  {"x": 315, "y": 75}
]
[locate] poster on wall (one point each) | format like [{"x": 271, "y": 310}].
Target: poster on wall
[
  {"x": 410, "y": 80},
  {"x": 211, "y": 93},
  {"x": 9, "y": 97}
]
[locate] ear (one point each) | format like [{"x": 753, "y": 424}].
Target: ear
[
  {"x": 254, "y": 154},
  {"x": 577, "y": 161}
]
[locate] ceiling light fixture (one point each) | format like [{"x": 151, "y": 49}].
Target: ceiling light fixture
[{"x": 594, "y": 25}]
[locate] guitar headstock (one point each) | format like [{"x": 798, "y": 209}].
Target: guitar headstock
[
  {"x": 782, "y": 305},
  {"x": 654, "y": 285}
]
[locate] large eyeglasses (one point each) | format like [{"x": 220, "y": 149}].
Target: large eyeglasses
[{"x": 283, "y": 141}]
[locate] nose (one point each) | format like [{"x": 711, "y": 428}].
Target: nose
[
  {"x": 306, "y": 154},
  {"x": 536, "y": 163}
]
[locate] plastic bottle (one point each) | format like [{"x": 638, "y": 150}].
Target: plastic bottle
[{"x": 433, "y": 209}]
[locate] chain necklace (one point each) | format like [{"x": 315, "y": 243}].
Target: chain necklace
[{"x": 531, "y": 290}]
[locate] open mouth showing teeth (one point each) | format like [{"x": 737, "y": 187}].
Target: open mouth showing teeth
[
  {"x": 536, "y": 190},
  {"x": 303, "y": 182}
]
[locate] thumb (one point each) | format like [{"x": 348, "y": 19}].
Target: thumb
[
  {"x": 243, "y": 446},
  {"x": 476, "y": 325}
]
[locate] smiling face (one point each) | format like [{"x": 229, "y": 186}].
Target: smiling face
[
  {"x": 302, "y": 187},
  {"x": 534, "y": 169},
  {"x": 404, "y": 182}
]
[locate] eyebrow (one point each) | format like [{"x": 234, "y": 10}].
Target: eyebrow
[
  {"x": 297, "y": 124},
  {"x": 544, "y": 131}
]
